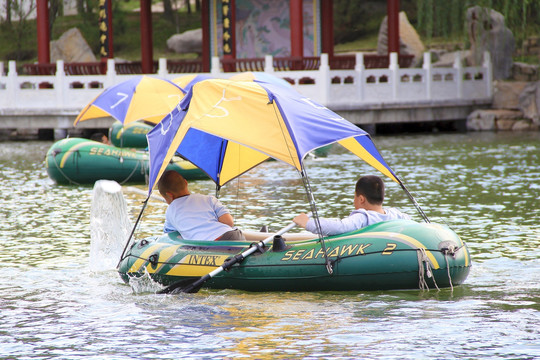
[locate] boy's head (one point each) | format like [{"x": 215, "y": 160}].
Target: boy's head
[
  {"x": 171, "y": 185},
  {"x": 372, "y": 188}
]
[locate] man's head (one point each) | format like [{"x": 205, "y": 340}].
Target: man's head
[
  {"x": 100, "y": 137},
  {"x": 172, "y": 185},
  {"x": 371, "y": 187}
]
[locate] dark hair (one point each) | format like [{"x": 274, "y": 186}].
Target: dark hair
[
  {"x": 372, "y": 187},
  {"x": 171, "y": 181},
  {"x": 97, "y": 137}
]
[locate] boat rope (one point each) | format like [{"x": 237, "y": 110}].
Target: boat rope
[
  {"x": 422, "y": 284},
  {"x": 62, "y": 172},
  {"x": 142, "y": 167},
  {"x": 315, "y": 217},
  {"x": 448, "y": 271},
  {"x": 424, "y": 269}
]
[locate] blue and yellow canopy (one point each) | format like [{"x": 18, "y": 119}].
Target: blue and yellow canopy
[
  {"x": 260, "y": 77},
  {"x": 186, "y": 82},
  {"x": 227, "y": 127},
  {"x": 139, "y": 98}
]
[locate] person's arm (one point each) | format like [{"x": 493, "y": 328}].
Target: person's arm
[
  {"x": 337, "y": 226},
  {"x": 226, "y": 219},
  {"x": 223, "y": 215},
  {"x": 301, "y": 220}
]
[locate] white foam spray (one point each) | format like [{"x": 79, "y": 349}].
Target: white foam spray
[{"x": 110, "y": 225}]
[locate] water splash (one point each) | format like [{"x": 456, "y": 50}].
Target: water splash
[
  {"x": 110, "y": 225},
  {"x": 144, "y": 283}
]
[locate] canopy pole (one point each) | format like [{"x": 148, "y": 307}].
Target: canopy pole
[
  {"x": 315, "y": 216},
  {"x": 418, "y": 208},
  {"x": 145, "y": 202}
]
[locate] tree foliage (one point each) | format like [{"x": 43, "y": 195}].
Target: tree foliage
[
  {"x": 18, "y": 27},
  {"x": 447, "y": 18}
]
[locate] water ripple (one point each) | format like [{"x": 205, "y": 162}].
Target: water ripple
[{"x": 486, "y": 186}]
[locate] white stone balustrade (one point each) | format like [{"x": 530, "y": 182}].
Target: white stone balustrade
[{"x": 336, "y": 89}]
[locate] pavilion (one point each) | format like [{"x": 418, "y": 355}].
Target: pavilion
[{"x": 295, "y": 31}]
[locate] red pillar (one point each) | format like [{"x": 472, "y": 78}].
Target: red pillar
[
  {"x": 392, "y": 7},
  {"x": 297, "y": 33},
  {"x": 205, "y": 22},
  {"x": 43, "y": 34},
  {"x": 147, "y": 61},
  {"x": 297, "y": 25},
  {"x": 327, "y": 27}
]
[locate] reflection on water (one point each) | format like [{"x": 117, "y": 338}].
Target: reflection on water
[{"x": 485, "y": 186}]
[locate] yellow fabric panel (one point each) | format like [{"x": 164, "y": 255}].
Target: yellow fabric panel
[
  {"x": 152, "y": 101},
  {"x": 182, "y": 81},
  {"x": 90, "y": 112},
  {"x": 238, "y": 159},
  {"x": 229, "y": 112},
  {"x": 245, "y": 76},
  {"x": 353, "y": 146}
]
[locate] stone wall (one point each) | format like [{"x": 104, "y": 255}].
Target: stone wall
[{"x": 516, "y": 107}]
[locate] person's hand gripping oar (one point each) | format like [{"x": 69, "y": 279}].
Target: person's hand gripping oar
[{"x": 194, "y": 285}]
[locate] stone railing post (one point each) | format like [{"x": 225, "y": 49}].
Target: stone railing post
[
  {"x": 359, "y": 68},
  {"x": 59, "y": 83},
  {"x": 394, "y": 67},
  {"x": 110, "y": 79},
  {"x": 427, "y": 74},
  {"x": 12, "y": 86},
  {"x": 488, "y": 68},
  {"x": 459, "y": 75},
  {"x": 215, "y": 67},
  {"x": 323, "y": 77},
  {"x": 2, "y": 83},
  {"x": 162, "y": 68},
  {"x": 269, "y": 64}
]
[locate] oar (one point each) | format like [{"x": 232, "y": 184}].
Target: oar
[
  {"x": 145, "y": 193},
  {"x": 194, "y": 285}
]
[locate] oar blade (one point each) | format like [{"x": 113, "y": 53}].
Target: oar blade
[
  {"x": 194, "y": 287},
  {"x": 180, "y": 286}
]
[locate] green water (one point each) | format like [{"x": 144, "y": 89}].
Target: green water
[{"x": 486, "y": 186}]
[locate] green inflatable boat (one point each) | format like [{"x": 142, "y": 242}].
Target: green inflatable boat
[
  {"x": 83, "y": 161},
  {"x": 132, "y": 135},
  {"x": 398, "y": 254}
]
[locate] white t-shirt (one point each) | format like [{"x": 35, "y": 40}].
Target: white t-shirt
[
  {"x": 195, "y": 217},
  {"x": 356, "y": 220}
]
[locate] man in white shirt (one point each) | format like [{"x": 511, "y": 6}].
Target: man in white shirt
[
  {"x": 368, "y": 200},
  {"x": 195, "y": 216}
]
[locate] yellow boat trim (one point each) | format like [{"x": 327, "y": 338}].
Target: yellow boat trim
[
  {"x": 143, "y": 258},
  {"x": 119, "y": 133},
  {"x": 72, "y": 150},
  {"x": 412, "y": 242},
  {"x": 197, "y": 265},
  {"x": 461, "y": 243},
  {"x": 164, "y": 256}
]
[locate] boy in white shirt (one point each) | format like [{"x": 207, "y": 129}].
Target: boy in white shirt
[
  {"x": 195, "y": 216},
  {"x": 368, "y": 200}
]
